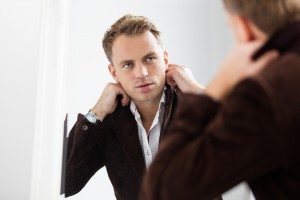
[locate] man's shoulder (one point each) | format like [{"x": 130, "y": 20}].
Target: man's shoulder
[
  {"x": 283, "y": 72},
  {"x": 280, "y": 80},
  {"x": 287, "y": 64},
  {"x": 289, "y": 60}
]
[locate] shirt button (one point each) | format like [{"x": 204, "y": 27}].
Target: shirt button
[{"x": 84, "y": 127}]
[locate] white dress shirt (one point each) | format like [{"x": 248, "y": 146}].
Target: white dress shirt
[{"x": 150, "y": 141}]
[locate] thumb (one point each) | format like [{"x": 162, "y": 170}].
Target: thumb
[
  {"x": 125, "y": 98},
  {"x": 171, "y": 82},
  {"x": 263, "y": 61}
]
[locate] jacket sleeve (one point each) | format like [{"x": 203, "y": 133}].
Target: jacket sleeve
[
  {"x": 84, "y": 154},
  {"x": 213, "y": 146}
]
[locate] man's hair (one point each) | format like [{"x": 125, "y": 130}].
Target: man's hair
[
  {"x": 130, "y": 25},
  {"x": 268, "y": 15}
]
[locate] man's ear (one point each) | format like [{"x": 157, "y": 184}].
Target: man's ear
[
  {"x": 112, "y": 71},
  {"x": 166, "y": 58},
  {"x": 242, "y": 28}
]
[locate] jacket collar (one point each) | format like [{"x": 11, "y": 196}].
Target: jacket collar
[
  {"x": 170, "y": 106},
  {"x": 285, "y": 40}
]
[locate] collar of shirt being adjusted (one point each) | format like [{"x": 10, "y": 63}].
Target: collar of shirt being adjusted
[{"x": 150, "y": 141}]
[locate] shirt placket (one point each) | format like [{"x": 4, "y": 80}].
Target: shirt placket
[{"x": 145, "y": 144}]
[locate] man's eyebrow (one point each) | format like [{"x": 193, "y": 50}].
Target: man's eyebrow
[
  {"x": 124, "y": 61},
  {"x": 149, "y": 54}
]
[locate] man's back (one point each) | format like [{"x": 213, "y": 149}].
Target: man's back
[
  {"x": 281, "y": 82},
  {"x": 251, "y": 135}
]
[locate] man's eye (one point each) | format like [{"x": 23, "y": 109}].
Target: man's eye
[
  {"x": 150, "y": 59},
  {"x": 128, "y": 65}
]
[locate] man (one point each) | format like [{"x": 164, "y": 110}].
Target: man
[
  {"x": 247, "y": 127},
  {"x": 122, "y": 131}
]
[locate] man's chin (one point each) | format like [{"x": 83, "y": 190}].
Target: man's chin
[{"x": 146, "y": 97}]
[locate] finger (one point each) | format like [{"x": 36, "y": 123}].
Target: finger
[
  {"x": 125, "y": 98},
  {"x": 173, "y": 66},
  {"x": 170, "y": 68},
  {"x": 170, "y": 82},
  {"x": 170, "y": 73},
  {"x": 254, "y": 46},
  {"x": 264, "y": 60}
]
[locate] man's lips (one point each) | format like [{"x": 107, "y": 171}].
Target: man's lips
[{"x": 144, "y": 85}]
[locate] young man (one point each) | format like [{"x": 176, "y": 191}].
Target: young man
[
  {"x": 122, "y": 131},
  {"x": 247, "y": 127}
]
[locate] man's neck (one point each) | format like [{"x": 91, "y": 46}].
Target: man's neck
[{"x": 147, "y": 111}]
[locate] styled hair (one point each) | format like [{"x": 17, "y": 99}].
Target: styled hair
[
  {"x": 130, "y": 25},
  {"x": 268, "y": 15}
]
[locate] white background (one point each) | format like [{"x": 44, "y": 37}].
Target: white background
[{"x": 19, "y": 59}]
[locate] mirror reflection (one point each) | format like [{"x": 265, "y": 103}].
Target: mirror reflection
[{"x": 127, "y": 67}]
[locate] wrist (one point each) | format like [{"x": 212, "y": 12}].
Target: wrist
[
  {"x": 99, "y": 114},
  {"x": 215, "y": 90},
  {"x": 199, "y": 89},
  {"x": 196, "y": 89}
]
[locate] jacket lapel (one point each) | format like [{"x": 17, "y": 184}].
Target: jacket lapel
[
  {"x": 127, "y": 131},
  {"x": 127, "y": 134},
  {"x": 170, "y": 106}
]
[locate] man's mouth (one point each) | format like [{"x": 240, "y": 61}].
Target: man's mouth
[{"x": 143, "y": 85}]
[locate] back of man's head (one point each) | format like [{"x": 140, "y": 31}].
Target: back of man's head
[
  {"x": 268, "y": 15},
  {"x": 130, "y": 25}
]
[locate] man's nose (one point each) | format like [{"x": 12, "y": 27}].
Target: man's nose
[{"x": 141, "y": 71}]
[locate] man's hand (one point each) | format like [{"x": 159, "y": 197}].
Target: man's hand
[
  {"x": 237, "y": 66},
  {"x": 107, "y": 102},
  {"x": 183, "y": 78}
]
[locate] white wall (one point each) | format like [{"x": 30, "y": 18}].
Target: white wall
[
  {"x": 32, "y": 52},
  {"x": 194, "y": 33},
  {"x": 19, "y": 53}
]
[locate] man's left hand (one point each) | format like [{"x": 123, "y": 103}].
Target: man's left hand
[{"x": 182, "y": 77}]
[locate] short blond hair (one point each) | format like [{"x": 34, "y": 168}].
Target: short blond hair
[
  {"x": 129, "y": 25},
  {"x": 268, "y": 15}
]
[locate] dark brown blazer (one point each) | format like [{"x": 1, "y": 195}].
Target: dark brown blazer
[
  {"x": 252, "y": 135},
  {"x": 115, "y": 144}
]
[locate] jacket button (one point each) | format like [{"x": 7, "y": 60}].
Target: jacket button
[{"x": 84, "y": 127}]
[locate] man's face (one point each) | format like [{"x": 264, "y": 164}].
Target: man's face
[{"x": 139, "y": 64}]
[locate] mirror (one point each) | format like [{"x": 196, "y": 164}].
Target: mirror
[{"x": 193, "y": 32}]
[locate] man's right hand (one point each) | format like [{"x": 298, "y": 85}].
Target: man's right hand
[
  {"x": 108, "y": 101},
  {"x": 237, "y": 66}
]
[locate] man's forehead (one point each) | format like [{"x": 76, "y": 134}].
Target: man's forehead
[{"x": 135, "y": 47}]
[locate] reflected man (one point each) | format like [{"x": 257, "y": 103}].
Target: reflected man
[{"x": 123, "y": 130}]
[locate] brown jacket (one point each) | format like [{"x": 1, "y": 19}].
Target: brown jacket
[
  {"x": 252, "y": 135},
  {"x": 115, "y": 144}
]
